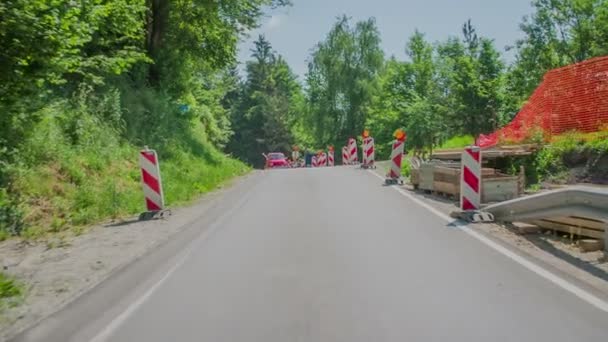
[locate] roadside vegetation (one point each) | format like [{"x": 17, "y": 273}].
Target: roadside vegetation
[
  {"x": 85, "y": 85},
  {"x": 574, "y": 158},
  {"x": 11, "y": 292},
  {"x": 460, "y": 86}
]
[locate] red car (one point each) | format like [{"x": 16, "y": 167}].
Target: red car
[{"x": 276, "y": 159}]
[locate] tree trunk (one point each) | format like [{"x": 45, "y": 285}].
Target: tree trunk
[{"x": 156, "y": 28}]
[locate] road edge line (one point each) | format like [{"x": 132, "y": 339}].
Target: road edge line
[
  {"x": 119, "y": 320},
  {"x": 531, "y": 266}
]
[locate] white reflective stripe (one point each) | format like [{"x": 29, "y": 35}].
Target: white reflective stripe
[
  {"x": 147, "y": 165},
  {"x": 396, "y": 170},
  {"x": 364, "y": 148},
  {"x": 322, "y": 159},
  {"x": 471, "y": 195},
  {"x": 154, "y": 171},
  {"x": 396, "y": 151},
  {"x": 154, "y": 196},
  {"x": 366, "y": 144},
  {"x": 372, "y": 155},
  {"x": 465, "y": 190},
  {"x": 471, "y": 163},
  {"x": 352, "y": 149}
]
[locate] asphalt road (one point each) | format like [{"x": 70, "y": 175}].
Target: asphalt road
[{"x": 332, "y": 255}]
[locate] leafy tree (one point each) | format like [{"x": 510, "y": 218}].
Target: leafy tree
[
  {"x": 558, "y": 33},
  {"x": 49, "y": 47},
  {"x": 424, "y": 116},
  {"x": 341, "y": 77},
  {"x": 268, "y": 107},
  {"x": 386, "y": 110},
  {"x": 198, "y": 31},
  {"x": 473, "y": 74}
]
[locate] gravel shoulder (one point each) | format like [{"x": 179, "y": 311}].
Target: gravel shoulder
[
  {"x": 554, "y": 251},
  {"x": 60, "y": 269}
]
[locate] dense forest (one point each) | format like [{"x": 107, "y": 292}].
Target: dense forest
[{"x": 85, "y": 84}]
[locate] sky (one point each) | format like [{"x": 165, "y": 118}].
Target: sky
[{"x": 293, "y": 31}]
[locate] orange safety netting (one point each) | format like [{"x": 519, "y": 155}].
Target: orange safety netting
[{"x": 574, "y": 97}]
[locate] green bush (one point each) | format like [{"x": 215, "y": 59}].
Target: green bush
[
  {"x": 458, "y": 142},
  {"x": 10, "y": 216},
  {"x": 406, "y": 167},
  {"x": 553, "y": 162}
]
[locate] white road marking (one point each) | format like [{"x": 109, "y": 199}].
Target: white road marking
[
  {"x": 564, "y": 284},
  {"x": 119, "y": 320}
]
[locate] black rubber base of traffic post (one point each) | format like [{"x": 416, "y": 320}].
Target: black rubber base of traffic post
[
  {"x": 154, "y": 215},
  {"x": 393, "y": 181}
]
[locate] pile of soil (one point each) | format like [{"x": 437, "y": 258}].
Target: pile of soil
[{"x": 587, "y": 168}]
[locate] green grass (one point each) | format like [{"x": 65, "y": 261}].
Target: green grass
[
  {"x": 554, "y": 162},
  {"x": 405, "y": 167},
  {"x": 458, "y": 142},
  {"x": 64, "y": 186},
  {"x": 11, "y": 291}
]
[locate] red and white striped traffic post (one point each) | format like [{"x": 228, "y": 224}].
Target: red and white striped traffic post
[
  {"x": 151, "y": 183},
  {"x": 364, "y": 137},
  {"x": 345, "y": 156},
  {"x": 394, "y": 174},
  {"x": 322, "y": 161},
  {"x": 315, "y": 162},
  {"x": 370, "y": 153},
  {"x": 353, "y": 155},
  {"x": 470, "y": 182},
  {"x": 368, "y": 150},
  {"x": 330, "y": 156},
  {"x": 295, "y": 155}
]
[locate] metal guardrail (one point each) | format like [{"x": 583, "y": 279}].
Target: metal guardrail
[{"x": 576, "y": 201}]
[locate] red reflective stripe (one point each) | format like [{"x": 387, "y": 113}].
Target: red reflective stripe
[
  {"x": 471, "y": 179},
  {"x": 397, "y": 160},
  {"x": 151, "y": 206},
  {"x": 150, "y": 181},
  {"x": 474, "y": 154},
  {"x": 150, "y": 156},
  {"x": 467, "y": 205}
]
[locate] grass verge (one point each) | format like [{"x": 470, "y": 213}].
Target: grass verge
[
  {"x": 11, "y": 291},
  {"x": 65, "y": 178}
]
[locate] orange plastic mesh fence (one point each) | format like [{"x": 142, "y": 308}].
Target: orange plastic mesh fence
[{"x": 574, "y": 97}]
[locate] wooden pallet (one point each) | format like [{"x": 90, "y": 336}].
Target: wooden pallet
[{"x": 573, "y": 225}]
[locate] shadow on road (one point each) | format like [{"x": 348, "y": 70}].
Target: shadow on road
[
  {"x": 585, "y": 265},
  {"x": 122, "y": 223}
]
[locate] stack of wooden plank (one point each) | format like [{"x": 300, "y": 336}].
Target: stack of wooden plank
[
  {"x": 574, "y": 225},
  {"x": 446, "y": 180},
  {"x": 496, "y": 187},
  {"x": 492, "y": 153},
  {"x": 443, "y": 178}
]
